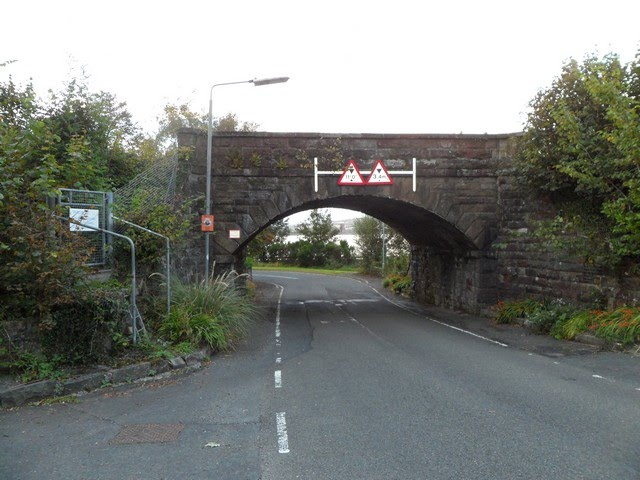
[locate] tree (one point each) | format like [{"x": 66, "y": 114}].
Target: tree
[
  {"x": 369, "y": 233},
  {"x": 369, "y": 240},
  {"x": 318, "y": 229},
  {"x": 269, "y": 245},
  {"x": 98, "y": 130},
  {"x": 581, "y": 146},
  {"x": 177, "y": 116},
  {"x": 77, "y": 139},
  {"x": 38, "y": 255}
]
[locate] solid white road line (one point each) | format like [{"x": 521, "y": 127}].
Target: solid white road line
[
  {"x": 277, "y": 377},
  {"x": 438, "y": 321},
  {"x": 275, "y": 276},
  {"x": 283, "y": 439}
]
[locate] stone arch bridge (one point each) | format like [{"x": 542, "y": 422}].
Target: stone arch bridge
[{"x": 462, "y": 221}]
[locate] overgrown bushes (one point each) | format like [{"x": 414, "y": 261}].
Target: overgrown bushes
[
  {"x": 563, "y": 321},
  {"x": 400, "y": 284}
]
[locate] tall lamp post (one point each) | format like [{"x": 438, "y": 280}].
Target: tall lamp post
[{"x": 258, "y": 83}]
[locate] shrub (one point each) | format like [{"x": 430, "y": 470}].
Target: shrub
[
  {"x": 621, "y": 325},
  {"x": 507, "y": 312},
  {"x": 215, "y": 313},
  {"x": 578, "y": 323},
  {"x": 550, "y": 317},
  {"x": 30, "y": 367},
  {"x": 89, "y": 325},
  {"x": 400, "y": 284}
]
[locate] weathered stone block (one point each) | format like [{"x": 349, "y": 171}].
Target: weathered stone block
[
  {"x": 22, "y": 394},
  {"x": 130, "y": 372}
]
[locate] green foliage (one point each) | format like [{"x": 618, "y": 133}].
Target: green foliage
[
  {"x": 215, "y": 313},
  {"x": 281, "y": 162},
  {"x": 578, "y": 323},
  {"x": 173, "y": 118},
  {"x": 230, "y": 123},
  {"x": 88, "y": 326},
  {"x": 507, "y": 312},
  {"x": 94, "y": 131},
  {"x": 620, "y": 325},
  {"x": 269, "y": 244},
  {"x": 306, "y": 254},
  {"x": 235, "y": 159},
  {"x": 77, "y": 139},
  {"x": 165, "y": 219},
  {"x": 369, "y": 233},
  {"x": 30, "y": 367},
  {"x": 550, "y": 317},
  {"x": 255, "y": 159},
  {"x": 580, "y": 146},
  {"x": 317, "y": 248},
  {"x": 400, "y": 284},
  {"x": 565, "y": 321},
  {"x": 318, "y": 229},
  {"x": 177, "y": 116}
]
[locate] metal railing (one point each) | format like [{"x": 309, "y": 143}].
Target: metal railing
[
  {"x": 168, "y": 256},
  {"x": 134, "y": 313}
]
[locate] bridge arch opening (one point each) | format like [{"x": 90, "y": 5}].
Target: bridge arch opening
[
  {"x": 416, "y": 224},
  {"x": 446, "y": 266}
]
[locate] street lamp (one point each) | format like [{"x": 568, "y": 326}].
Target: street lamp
[{"x": 258, "y": 83}]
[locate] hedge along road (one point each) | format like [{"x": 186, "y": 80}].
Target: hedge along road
[
  {"x": 336, "y": 381},
  {"x": 371, "y": 387}
]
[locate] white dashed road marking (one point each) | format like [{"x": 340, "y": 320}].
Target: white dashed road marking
[{"x": 283, "y": 439}]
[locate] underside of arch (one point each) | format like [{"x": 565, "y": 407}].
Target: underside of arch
[{"x": 418, "y": 225}]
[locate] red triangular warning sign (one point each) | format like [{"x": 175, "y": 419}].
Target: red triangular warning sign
[
  {"x": 379, "y": 175},
  {"x": 351, "y": 175}
]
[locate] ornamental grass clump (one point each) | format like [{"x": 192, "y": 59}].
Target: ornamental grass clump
[
  {"x": 620, "y": 325},
  {"x": 216, "y": 313},
  {"x": 508, "y": 312},
  {"x": 577, "y": 324}
]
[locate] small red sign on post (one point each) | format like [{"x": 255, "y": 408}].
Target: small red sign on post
[
  {"x": 206, "y": 223},
  {"x": 351, "y": 175}
]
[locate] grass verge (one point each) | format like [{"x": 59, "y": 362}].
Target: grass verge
[{"x": 291, "y": 268}]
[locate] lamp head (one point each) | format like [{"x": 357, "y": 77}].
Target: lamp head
[{"x": 268, "y": 81}]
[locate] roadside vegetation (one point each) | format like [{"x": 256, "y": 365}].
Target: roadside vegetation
[
  {"x": 76, "y": 138},
  {"x": 216, "y": 313},
  {"x": 317, "y": 247},
  {"x": 565, "y": 322},
  {"x": 580, "y": 149}
]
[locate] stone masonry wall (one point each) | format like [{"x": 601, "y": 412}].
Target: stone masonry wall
[
  {"x": 467, "y": 222},
  {"x": 527, "y": 267}
]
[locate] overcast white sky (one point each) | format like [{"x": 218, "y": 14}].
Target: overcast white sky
[{"x": 401, "y": 66}]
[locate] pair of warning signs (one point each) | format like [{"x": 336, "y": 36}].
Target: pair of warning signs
[{"x": 379, "y": 175}]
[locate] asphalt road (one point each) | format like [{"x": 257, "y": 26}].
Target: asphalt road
[{"x": 338, "y": 381}]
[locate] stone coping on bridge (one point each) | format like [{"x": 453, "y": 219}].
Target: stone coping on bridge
[{"x": 426, "y": 136}]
